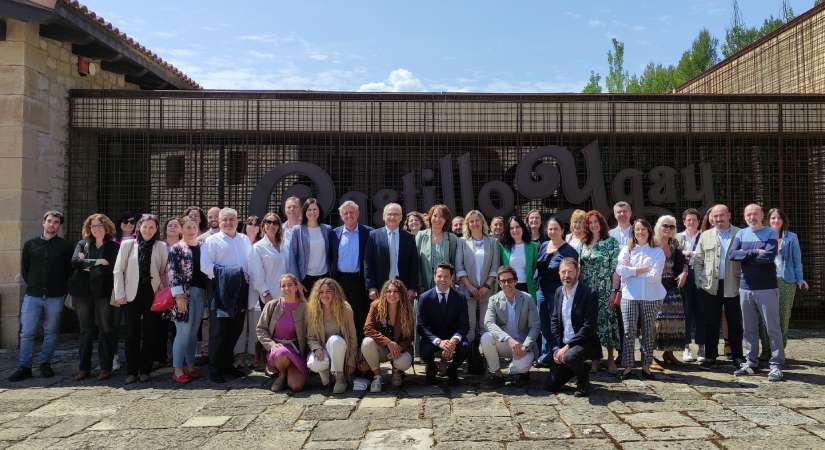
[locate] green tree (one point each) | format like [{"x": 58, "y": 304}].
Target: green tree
[
  {"x": 701, "y": 57},
  {"x": 739, "y": 35},
  {"x": 593, "y": 86},
  {"x": 616, "y": 75}
]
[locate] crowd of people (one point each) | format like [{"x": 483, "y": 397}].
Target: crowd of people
[{"x": 299, "y": 297}]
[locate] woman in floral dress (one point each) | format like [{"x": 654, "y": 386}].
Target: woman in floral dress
[{"x": 598, "y": 257}]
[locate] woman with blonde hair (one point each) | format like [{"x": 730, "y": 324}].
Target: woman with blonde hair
[
  {"x": 281, "y": 331},
  {"x": 578, "y": 230},
  {"x": 331, "y": 334},
  {"x": 670, "y": 316},
  {"x": 91, "y": 290},
  {"x": 388, "y": 333}
]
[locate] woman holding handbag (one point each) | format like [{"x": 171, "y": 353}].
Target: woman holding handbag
[
  {"x": 139, "y": 272},
  {"x": 91, "y": 289},
  {"x": 189, "y": 288}
]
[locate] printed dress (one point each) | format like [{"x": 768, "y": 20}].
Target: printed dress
[
  {"x": 670, "y": 320},
  {"x": 597, "y": 266}
]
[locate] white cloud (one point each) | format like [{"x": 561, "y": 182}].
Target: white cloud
[
  {"x": 534, "y": 86},
  {"x": 399, "y": 80},
  {"x": 595, "y": 23},
  {"x": 317, "y": 56}
]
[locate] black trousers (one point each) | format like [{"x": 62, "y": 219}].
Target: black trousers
[
  {"x": 356, "y": 294},
  {"x": 96, "y": 315},
  {"x": 694, "y": 320},
  {"x": 223, "y": 334},
  {"x": 310, "y": 280},
  {"x": 429, "y": 351},
  {"x": 143, "y": 331},
  {"x": 712, "y": 306},
  {"x": 574, "y": 365}
]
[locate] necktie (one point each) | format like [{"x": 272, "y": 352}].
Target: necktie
[{"x": 393, "y": 255}]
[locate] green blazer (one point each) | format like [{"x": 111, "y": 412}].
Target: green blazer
[
  {"x": 425, "y": 251},
  {"x": 531, "y": 250}
]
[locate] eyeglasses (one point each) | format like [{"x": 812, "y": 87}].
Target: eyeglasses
[
  {"x": 96, "y": 225},
  {"x": 129, "y": 221},
  {"x": 270, "y": 222},
  {"x": 669, "y": 226},
  {"x": 506, "y": 280}
]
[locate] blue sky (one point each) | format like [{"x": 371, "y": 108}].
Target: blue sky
[{"x": 478, "y": 46}]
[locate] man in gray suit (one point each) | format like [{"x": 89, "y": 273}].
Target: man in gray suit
[{"x": 513, "y": 323}]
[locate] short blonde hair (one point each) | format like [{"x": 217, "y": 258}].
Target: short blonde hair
[
  {"x": 657, "y": 230},
  {"x": 465, "y": 229}
]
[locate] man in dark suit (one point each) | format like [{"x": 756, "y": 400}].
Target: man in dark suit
[
  {"x": 573, "y": 325},
  {"x": 348, "y": 243},
  {"x": 443, "y": 323},
  {"x": 390, "y": 253}
]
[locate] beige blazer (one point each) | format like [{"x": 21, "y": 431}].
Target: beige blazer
[
  {"x": 270, "y": 316},
  {"x": 465, "y": 261},
  {"x": 706, "y": 264},
  {"x": 127, "y": 274},
  {"x": 495, "y": 320}
]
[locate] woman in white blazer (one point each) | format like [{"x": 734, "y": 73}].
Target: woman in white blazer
[
  {"x": 477, "y": 260},
  {"x": 139, "y": 272},
  {"x": 640, "y": 268}
]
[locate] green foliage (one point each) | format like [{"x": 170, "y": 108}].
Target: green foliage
[
  {"x": 593, "y": 86},
  {"x": 739, "y": 35},
  {"x": 616, "y": 75}
]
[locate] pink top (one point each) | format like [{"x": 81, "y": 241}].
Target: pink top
[{"x": 285, "y": 328}]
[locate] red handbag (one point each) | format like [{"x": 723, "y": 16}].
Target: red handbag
[{"x": 163, "y": 301}]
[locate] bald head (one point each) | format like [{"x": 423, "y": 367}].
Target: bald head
[
  {"x": 720, "y": 216},
  {"x": 754, "y": 215}
]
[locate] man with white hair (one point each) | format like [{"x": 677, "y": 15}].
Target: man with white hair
[
  {"x": 224, "y": 259},
  {"x": 391, "y": 253},
  {"x": 348, "y": 243}
]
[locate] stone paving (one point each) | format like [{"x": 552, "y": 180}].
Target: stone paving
[{"x": 684, "y": 409}]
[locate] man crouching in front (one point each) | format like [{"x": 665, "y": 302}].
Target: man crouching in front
[{"x": 573, "y": 323}]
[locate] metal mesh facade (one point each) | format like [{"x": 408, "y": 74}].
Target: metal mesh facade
[
  {"x": 164, "y": 151},
  {"x": 789, "y": 60}
]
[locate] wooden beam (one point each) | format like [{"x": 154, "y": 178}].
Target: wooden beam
[
  {"x": 65, "y": 33},
  {"x": 97, "y": 51}
]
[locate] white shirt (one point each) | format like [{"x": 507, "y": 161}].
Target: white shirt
[
  {"x": 222, "y": 250},
  {"x": 518, "y": 261},
  {"x": 288, "y": 232},
  {"x": 266, "y": 266},
  {"x": 623, "y": 236},
  {"x": 645, "y": 286},
  {"x": 317, "y": 261},
  {"x": 566, "y": 311},
  {"x": 478, "y": 255}
]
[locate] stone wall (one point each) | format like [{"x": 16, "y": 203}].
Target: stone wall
[{"x": 35, "y": 76}]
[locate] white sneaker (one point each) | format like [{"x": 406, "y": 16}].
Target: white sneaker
[
  {"x": 687, "y": 356},
  {"x": 745, "y": 369},
  {"x": 375, "y": 386},
  {"x": 775, "y": 374},
  {"x": 324, "y": 374},
  {"x": 115, "y": 363},
  {"x": 341, "y": 387},
  {"x": 700, "y": 354}
]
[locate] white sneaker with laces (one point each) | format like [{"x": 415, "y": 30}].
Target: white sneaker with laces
[
  {"x": 687, "y": 356},
  {"x": 775, "y": 374},
  {"x": 700, "y": 354},
  {"x": 745, "y": 369},
  {"x": 375, "y": 386}
]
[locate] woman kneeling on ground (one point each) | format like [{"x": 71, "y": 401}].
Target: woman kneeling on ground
[
  {"x": 389, "y": 333},
  {"x": 282, "y": 332}
]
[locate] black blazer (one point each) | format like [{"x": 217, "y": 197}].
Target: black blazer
[
  {"x": 583, "y": 315},
  {"x": 435, "y": 321},
  {"x": 335, "y": 242},
  {"x": 377, "y": 260}
]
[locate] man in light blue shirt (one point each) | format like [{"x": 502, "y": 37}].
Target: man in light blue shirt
[{"x": 348, "y": 242}]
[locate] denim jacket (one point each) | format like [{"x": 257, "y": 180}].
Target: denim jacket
[{"x": 789, "y": 259}]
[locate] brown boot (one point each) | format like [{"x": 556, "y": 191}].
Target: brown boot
[
  {"x": 104, "y": 375},
  {"x": 81, "y": 375}
]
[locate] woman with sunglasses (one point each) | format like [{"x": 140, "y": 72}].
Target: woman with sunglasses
[
  {"x": 670, "y": 319},
  {"x": 266, "y": 266}
]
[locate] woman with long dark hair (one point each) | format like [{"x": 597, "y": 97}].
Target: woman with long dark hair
[
  {"x": 309, "y": 254},
  {"x": 519, "y": 252}
]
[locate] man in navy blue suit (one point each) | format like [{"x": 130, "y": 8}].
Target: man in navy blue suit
[
  {"x": 390, "y": 253},
  {"x": 573, "y": 325},
  {"x": 348, "y": 243},
  {"x": 443, "y": 323}
]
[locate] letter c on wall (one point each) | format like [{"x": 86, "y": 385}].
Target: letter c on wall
[{"x": 263, "y": 190}]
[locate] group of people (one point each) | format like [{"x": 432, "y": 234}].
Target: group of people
[{"x": 300, "y": 297}]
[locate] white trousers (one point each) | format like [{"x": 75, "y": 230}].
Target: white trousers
[
  {"x": 493, "y": 349},
  {"x": 335, "y": 353},
  {"x": 375, "y": 354}
]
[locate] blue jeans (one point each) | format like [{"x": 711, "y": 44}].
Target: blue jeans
[
  {"x": 186, "y": 333},
  {"x": 545, "y": 306},
  {"x": 49, "y": 308}
]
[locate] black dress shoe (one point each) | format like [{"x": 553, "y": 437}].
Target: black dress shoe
[
  {"x": 46, "y": 370},
  {"x": 217, "y": 378},
  {"x": 582, "y": 391},
  {"x": 648, "y": 375},
  {"x": 493, "y": 381},
  {"x": 236, "y": 372},
  {"x": 707, "y": 364},
  {"x": 621, "y": 376},
  {"x": 21, "y": 374}
]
